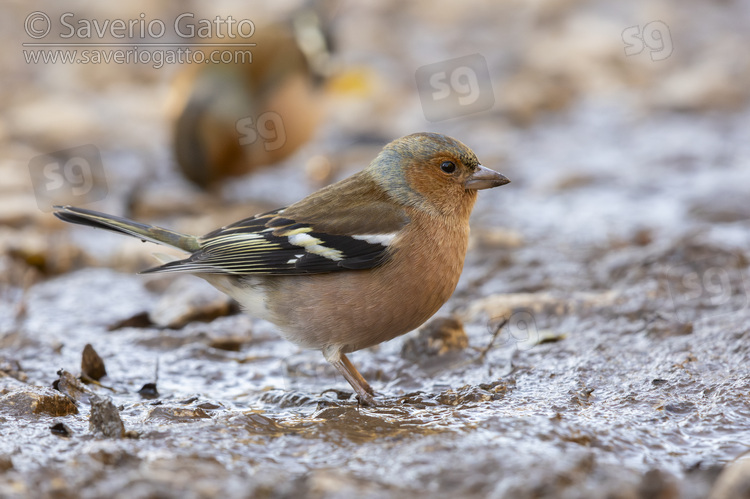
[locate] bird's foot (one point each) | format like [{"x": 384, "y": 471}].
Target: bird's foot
[{"x": 365, "y": 393}]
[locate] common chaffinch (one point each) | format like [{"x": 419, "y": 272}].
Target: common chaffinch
[
  {"x": 352, "y": 265},
  {"x": 256, "y": 109}
]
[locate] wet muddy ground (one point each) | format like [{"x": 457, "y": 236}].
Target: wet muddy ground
[{"x": 597, "y": 345}]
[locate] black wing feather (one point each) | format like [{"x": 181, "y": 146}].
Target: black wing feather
[{"x": 262, "y": 245}]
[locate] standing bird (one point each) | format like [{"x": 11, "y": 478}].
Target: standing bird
[{"x": 352, "y": 265}]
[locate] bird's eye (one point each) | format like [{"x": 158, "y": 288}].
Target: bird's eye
[{"x": 448, "y": 166}]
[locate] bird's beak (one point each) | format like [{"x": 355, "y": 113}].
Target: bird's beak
[{"x": 484, "y": 178}]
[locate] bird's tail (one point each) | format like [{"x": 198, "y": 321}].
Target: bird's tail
[{"x": 121, "y": 225}]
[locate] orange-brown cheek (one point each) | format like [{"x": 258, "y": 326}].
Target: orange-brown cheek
[
  {"x": 425, "y": 184},
  {"x": 444, "y": 192}
]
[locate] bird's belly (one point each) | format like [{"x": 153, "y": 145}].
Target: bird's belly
[{"x": 346, "y": 311}]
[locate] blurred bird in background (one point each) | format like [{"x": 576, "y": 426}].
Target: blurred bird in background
[{"x": 232, "y": 118}]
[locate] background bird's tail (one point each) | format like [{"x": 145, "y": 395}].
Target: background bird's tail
[{"x": 121, "y": 225}]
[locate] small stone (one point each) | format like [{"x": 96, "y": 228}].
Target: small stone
[
  {"x": 105, "y": 418},
  {"x": 91, "y": 364},
  {"x": 114, "y": 457},
  {"x": 665, "y": 327},
  {"x": 440, "y": 336},
  {"x": 61, "y": 430},
  {"x": 657, "y": 484},
  {"x": 139, "y": 320},
  {"x": 71, "y": 386},
  {"x": 469, "y": 394},
  {"x": 149, "y": 391},
  {"x": 228, "y": 343},
  {"x": 37, "y": 400},
  {"x": 12, "y": 368},
  {"x": 177, "y": 414}
]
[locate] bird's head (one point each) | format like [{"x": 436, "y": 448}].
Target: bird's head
[{"x": 433, "y": 172}]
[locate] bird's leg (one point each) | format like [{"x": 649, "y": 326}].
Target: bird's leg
[{"x": 343, "y": 365}]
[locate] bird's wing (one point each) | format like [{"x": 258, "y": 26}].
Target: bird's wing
[{"x": 297, "y": 241}]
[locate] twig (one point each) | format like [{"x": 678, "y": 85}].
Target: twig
[
  {"x": 91, "y": 381},
  {"x": 483, "y": 352}
]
